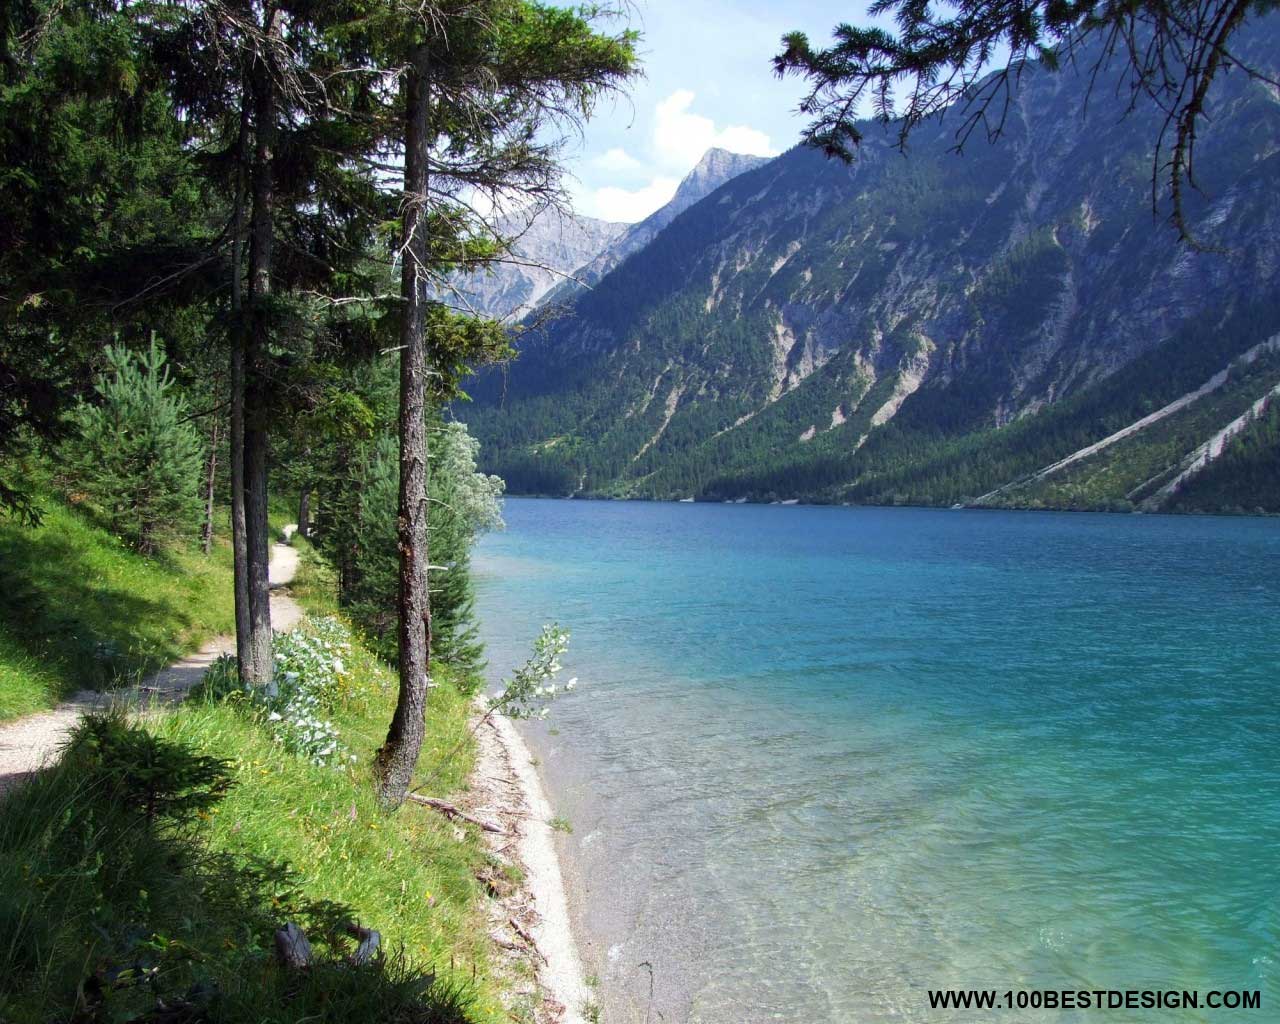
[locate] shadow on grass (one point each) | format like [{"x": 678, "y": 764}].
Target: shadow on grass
[
  {"x": 113, "y": 909},
  {"x": 58, "y": 609}
]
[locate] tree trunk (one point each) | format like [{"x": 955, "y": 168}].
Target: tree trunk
[
  {"x": 210, "y": 480},
  {"x": 304, "y": 513},
  {"x": 398, "y": 756},
  {"x": 257, "y": 394},
  {"x": 239, "y": 529}
]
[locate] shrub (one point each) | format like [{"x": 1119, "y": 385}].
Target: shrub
[
  {"x": 143, "y": 774},
  {"x": 310, "y": 683}
]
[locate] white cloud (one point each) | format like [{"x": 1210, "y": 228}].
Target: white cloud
[
  {"x": 678, "y": 141},
  {"x": 617, "y": 160},
  {"x": 680, "y": 137},
  {"x": 628, "y": 205}
]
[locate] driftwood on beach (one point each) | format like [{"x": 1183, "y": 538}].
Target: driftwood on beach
[{"x": 450, "y": 811}]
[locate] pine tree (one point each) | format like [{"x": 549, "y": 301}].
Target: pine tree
[
  {"x": 491, "y": 77},
  {"x": 133, "y": 454}
]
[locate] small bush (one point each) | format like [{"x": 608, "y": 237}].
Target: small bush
[
  {"x": 143, "y": 774},
  {"x": 311, "y": 682}
]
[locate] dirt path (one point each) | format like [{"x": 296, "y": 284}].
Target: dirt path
[{"x": 26, "y": 744}]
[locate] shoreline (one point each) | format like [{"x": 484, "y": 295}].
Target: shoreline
[
  {"x": 531, "y": 920},
  {"x": 958, "y": 507}
]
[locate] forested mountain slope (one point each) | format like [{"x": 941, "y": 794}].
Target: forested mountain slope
[{"x": 928, "y": 327}]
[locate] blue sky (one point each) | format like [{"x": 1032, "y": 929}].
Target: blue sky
[{"x": 707, "y": 82}]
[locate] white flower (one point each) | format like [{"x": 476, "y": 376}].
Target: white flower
[{"x": 571, "y": 683}]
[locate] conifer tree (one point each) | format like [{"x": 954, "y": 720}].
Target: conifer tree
[
  {"x": 483, "y": 76},
  {"x": 134, "y": 453}
]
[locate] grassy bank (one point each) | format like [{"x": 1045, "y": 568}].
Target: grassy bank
[
  {"x": 80, "y": 610},
  {"x": 107, "y": 913}
]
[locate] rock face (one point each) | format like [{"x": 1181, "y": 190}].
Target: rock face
[
  {"x": 550, "y": 246},
  {"x": 926, "y": 327},
  {"x": 716, "y": 167},
  {"x": 557, "y": 250}
]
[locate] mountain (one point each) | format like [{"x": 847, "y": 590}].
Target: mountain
[
  {"x": 556, "y": 250},
  {"x": 716, "y": 167},
  {"x": 550, "y": 245},
  {"x": 1010, "y": 326}
]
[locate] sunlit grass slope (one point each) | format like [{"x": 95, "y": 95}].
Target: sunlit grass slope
[
  {"x": 80, "y": 610},
  {"x": 91, "y": 891}
]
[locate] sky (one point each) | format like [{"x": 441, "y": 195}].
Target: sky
[{"x": 708, "y": 81}]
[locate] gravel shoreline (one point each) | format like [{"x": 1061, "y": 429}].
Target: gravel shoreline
[{"x": 531, "y": 921}]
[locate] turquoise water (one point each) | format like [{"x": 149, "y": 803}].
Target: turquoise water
[{"x": 822, "y": 760}]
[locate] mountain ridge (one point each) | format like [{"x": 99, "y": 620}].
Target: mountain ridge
[
  {"x": 558, "y": 252},
  {"x": 813, "y": 331},
  {"x": 549, "y": 245}
]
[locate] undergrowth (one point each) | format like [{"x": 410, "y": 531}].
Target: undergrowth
[{"x": 117, "y": 904}]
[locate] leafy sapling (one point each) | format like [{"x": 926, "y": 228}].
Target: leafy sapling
[
  {"x": 531, "y": 688},
  {"x": 527, "y": 694}
]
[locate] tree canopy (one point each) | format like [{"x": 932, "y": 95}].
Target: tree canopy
[{"x": 972, "y": 52}]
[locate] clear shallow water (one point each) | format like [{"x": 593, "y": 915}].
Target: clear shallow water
[{"x": 822, "y": 760}]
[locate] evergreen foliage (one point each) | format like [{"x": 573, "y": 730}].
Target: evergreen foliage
[
  {"x": 1245, "y": 478},
  {"x": 356, "y": 526},
  {"x": 96, "y": 183},
  {"x": 134, "y": 453}
]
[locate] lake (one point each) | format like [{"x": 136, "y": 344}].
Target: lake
[{"x": 823, "y": 760}]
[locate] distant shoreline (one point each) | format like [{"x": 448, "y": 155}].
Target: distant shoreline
[{"x": 802, "y": 503}]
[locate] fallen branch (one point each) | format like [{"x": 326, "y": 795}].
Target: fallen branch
[
  {"x": 292, "y": 947},
  {"x": 451, "y": 812},
  {"x": 527, "y": 938}
]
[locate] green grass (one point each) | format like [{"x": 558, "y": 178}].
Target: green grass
[
  {"x": 315, "y": 585},
  {"x": 290, "y": 841},
  {"x": 80, "y": 610},
  {"x": 94, "y": 897},
  {"x": 411, "y": 875},
  {"x": 105, "y": 910}
]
